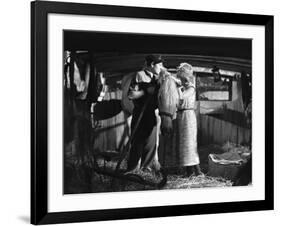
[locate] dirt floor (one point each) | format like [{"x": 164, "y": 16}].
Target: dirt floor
[{"x": 81, "y": 178}]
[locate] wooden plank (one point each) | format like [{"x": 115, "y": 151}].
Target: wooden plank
[
  {"x": 214, "y": 130},
  {"x": 205, "y": 129},
  {"x": 203, "y": 138},
  {"x": 225, "y": 134}
]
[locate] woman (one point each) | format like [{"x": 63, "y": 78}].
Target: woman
[{"x": 186, "y": 122}]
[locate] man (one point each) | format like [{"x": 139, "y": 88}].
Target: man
[{"x": 143, "y": 92}]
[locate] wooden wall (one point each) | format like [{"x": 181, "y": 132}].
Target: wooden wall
[
  {"x": 223, "y": 121},
  {"x": 214, "y": 130},
  {"x": 113, "y": 132}
]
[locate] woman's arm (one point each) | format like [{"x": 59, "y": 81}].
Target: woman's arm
[
  {"x": 187, "y": 92},
  {"x": 177, "y": 80}
]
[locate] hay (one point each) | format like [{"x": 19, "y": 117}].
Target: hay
[
  {"x": 178, "y": 182},
  {"x": 101, "y": 183},
  {"x": 239, "y": 149}
]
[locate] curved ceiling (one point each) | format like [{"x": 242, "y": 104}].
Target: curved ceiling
[{"x": 123, "y": 52}]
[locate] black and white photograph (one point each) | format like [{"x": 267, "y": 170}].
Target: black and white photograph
[
  {"x": 148, "y": 112},
  {"x": 155, "y": 112}
]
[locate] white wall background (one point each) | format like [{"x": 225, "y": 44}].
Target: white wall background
[{"x": 15, "y": 111}]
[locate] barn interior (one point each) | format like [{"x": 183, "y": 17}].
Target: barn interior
[{"x": 98, "y": 66}]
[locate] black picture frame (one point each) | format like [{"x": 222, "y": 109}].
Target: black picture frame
[{"x": 39, "y": 112}]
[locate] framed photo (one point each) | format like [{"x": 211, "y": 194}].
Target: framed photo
[{"x": 145, "y": 112}]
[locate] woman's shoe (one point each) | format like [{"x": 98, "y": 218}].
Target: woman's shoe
[{"x": 197, "y": 170}]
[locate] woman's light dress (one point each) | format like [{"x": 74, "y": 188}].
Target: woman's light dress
[
  {"x": 187, "y": 128},
  {"x": 180, "y": 149}
]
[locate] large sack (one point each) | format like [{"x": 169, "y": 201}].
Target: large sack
[{"x": 226, "y": 165}]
